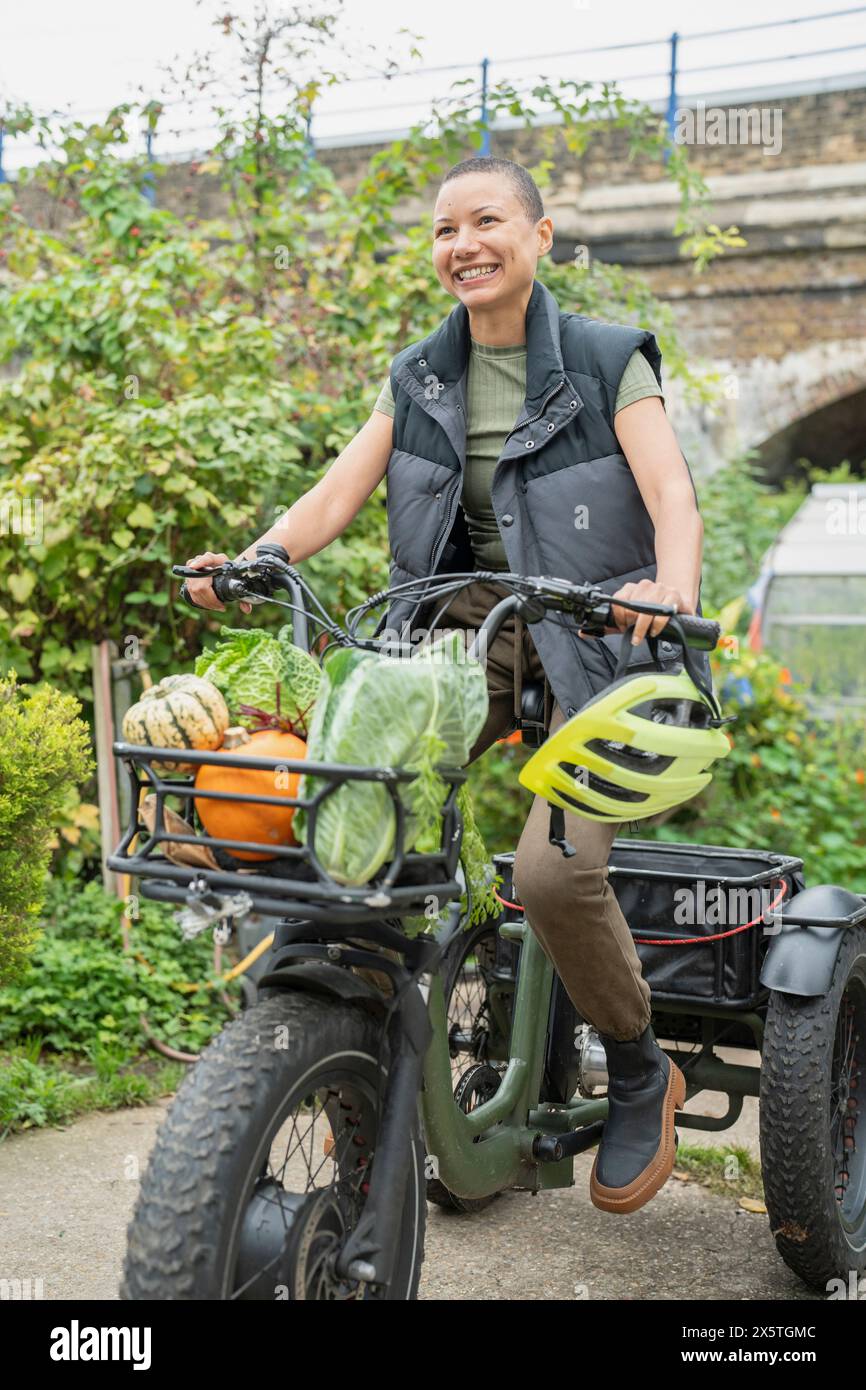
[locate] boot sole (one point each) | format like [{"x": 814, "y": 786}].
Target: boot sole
[{"x": 647, "y": 1183}]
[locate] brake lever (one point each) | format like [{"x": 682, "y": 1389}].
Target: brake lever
[
  {"x": 231, "y": 572},
  {"x": 188, "y": 572},
  {"x": 598, "y": 619}
]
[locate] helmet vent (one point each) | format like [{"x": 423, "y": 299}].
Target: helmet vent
[
  {"x": 598, "y": 784},
  {"x": 623, "y": 756},
  {"x": 684, "y": 713}
]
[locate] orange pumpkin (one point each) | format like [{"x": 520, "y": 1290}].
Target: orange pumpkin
[{"x": 249, "y": 820}]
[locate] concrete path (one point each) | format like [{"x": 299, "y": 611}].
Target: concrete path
[{"x": 66, "y": 1197}]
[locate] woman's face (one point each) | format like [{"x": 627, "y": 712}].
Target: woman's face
[{"x": 478, "y": 221}]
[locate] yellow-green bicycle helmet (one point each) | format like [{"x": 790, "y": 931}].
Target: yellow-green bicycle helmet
[{"x": 644, "y": 745}]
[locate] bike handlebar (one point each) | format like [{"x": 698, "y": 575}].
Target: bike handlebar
[
  {"x": 230, "y": 584},
  {"x": 256, "y": 580}
]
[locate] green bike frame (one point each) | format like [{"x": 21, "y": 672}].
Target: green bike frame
[{"x": 492, "y": 1147}]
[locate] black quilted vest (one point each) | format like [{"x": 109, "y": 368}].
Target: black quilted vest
[{"x": 565, "y": 499}]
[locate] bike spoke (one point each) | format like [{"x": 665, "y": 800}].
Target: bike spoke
[{"x": 320, "y": 1154}]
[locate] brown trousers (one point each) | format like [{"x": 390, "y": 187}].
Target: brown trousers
[{"x": 569, "y": 903}]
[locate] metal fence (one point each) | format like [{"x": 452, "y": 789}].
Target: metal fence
[{"x": 669, "y": 72}]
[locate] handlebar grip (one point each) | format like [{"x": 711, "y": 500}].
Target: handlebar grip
[
  {"x": 227, "y": 588},
  {"x": 701, "y": 633}
]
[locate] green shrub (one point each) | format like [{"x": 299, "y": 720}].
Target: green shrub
[
  {"x": 37, "y": 1090},
  {"x": 84, "y": 992},
  {"x": 742, "y": 516},
  {"x": 44, "y": 753},
  {"x": 792, "y": 783}
]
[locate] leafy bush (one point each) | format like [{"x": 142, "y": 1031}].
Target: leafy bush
[
  {"x": 83, "y": 991},
  {"x": 742, "y": 516},
  {"x": 792, "y": 783},
  {"x": 44, "y": 753},
  {"x": 166, "y": 373}
]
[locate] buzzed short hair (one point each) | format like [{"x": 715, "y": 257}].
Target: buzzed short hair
[{"x": 521, "y": 180}]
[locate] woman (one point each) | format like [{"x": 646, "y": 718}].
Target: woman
[{"x": 588, "y": 484}]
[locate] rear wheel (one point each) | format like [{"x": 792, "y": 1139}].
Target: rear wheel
[
  {"x": 261, "y": 1168},
  {"x": 479, "y": 997},
  {"x": 813, "y": 1122},
  {"x": 479, "y": 982}
]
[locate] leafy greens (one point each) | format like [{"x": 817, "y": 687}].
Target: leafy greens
[
  {"x": 382, "y": 711},
  {"x": 251, "y": 664}
]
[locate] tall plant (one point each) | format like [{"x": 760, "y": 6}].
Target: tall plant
[{"x": 172, "y": 384}]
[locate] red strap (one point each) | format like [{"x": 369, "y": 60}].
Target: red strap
[{"x": 686, "y": 940}]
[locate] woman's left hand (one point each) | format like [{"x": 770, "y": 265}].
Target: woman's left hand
[{"x": 646, "y": 591}]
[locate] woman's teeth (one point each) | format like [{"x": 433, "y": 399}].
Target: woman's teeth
[{"x": 476, "y": 272}]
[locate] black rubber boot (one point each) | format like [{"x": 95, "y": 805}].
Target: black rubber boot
[{"x": 638, "y": 1146}]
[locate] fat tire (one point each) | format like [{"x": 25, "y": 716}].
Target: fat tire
[
  {"x": 796, "y": 1157},
  {"x": 179, "y": 1233}
]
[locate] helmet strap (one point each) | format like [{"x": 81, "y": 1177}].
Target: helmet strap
[
  {"x": 557, "y": 831},
  {"x": 689, "y": 663},
  {"x": 626, "y": 649}
]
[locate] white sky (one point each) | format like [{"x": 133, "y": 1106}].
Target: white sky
[{"x": 85, "y": 55}]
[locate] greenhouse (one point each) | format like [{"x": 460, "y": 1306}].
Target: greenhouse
[{"x": 811, "y": 598}]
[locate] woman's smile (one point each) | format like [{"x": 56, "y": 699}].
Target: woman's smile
[{"x": 480, "y": 273}]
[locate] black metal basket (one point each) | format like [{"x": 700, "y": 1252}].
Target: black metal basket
[
  {"x": 291, "y": 881},
  {"x": 666, "y": 893},
  {"x": 694, "y": 963}
]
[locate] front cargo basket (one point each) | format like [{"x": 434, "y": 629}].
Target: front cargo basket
[{"x": 291, "y": 881}]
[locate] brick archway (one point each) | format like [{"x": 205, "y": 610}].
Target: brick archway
[{"x": 809, "y": 404}]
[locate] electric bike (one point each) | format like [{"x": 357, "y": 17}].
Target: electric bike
[{"x": 376, "y": 1070}]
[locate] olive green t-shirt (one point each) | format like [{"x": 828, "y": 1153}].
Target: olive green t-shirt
[{"x": 495, "y": 392}]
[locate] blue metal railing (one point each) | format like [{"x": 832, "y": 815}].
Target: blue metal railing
[{"x": 672, "y": 74}]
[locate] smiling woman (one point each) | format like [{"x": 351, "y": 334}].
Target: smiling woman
[
  {"x": 486, "y": 245},
  {"x": 519, "y": 436},
  {"x": 535, "y": 440}
]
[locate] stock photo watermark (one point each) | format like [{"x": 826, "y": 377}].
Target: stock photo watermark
[
  {"x": 721, "y": 907},
  {"x": 398, "y": 641},
  {"x": 846, "y": 516},
  {"x": 22, "y": 516},
  {"x": 852, "y": 1289},
  {"x": 77, "y": 1343},
  {"x": 721, "y": 125},
  {"x": 21, "y": 1290}
]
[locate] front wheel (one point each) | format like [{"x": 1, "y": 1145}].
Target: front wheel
[
  {"x": 261, "y": 1167},
  {"x": 813, "y": 1123}
]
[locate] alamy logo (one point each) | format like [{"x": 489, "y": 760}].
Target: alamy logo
[
  {"x": 76, "y": 1343},
  {"x": 721, "y": 125},
  {"x": 433, "y": 386},
  {"x": 720, "y": 907},
  {"x": 21, "y": 1289},
  {"x": 22, "y": 516},
  {"x": 846, "y": 516}
]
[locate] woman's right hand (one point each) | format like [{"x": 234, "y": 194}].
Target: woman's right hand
[{"x": 201, "y": 590}]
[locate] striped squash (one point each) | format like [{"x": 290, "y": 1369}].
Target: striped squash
[{"x": 179, "y": 712}]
